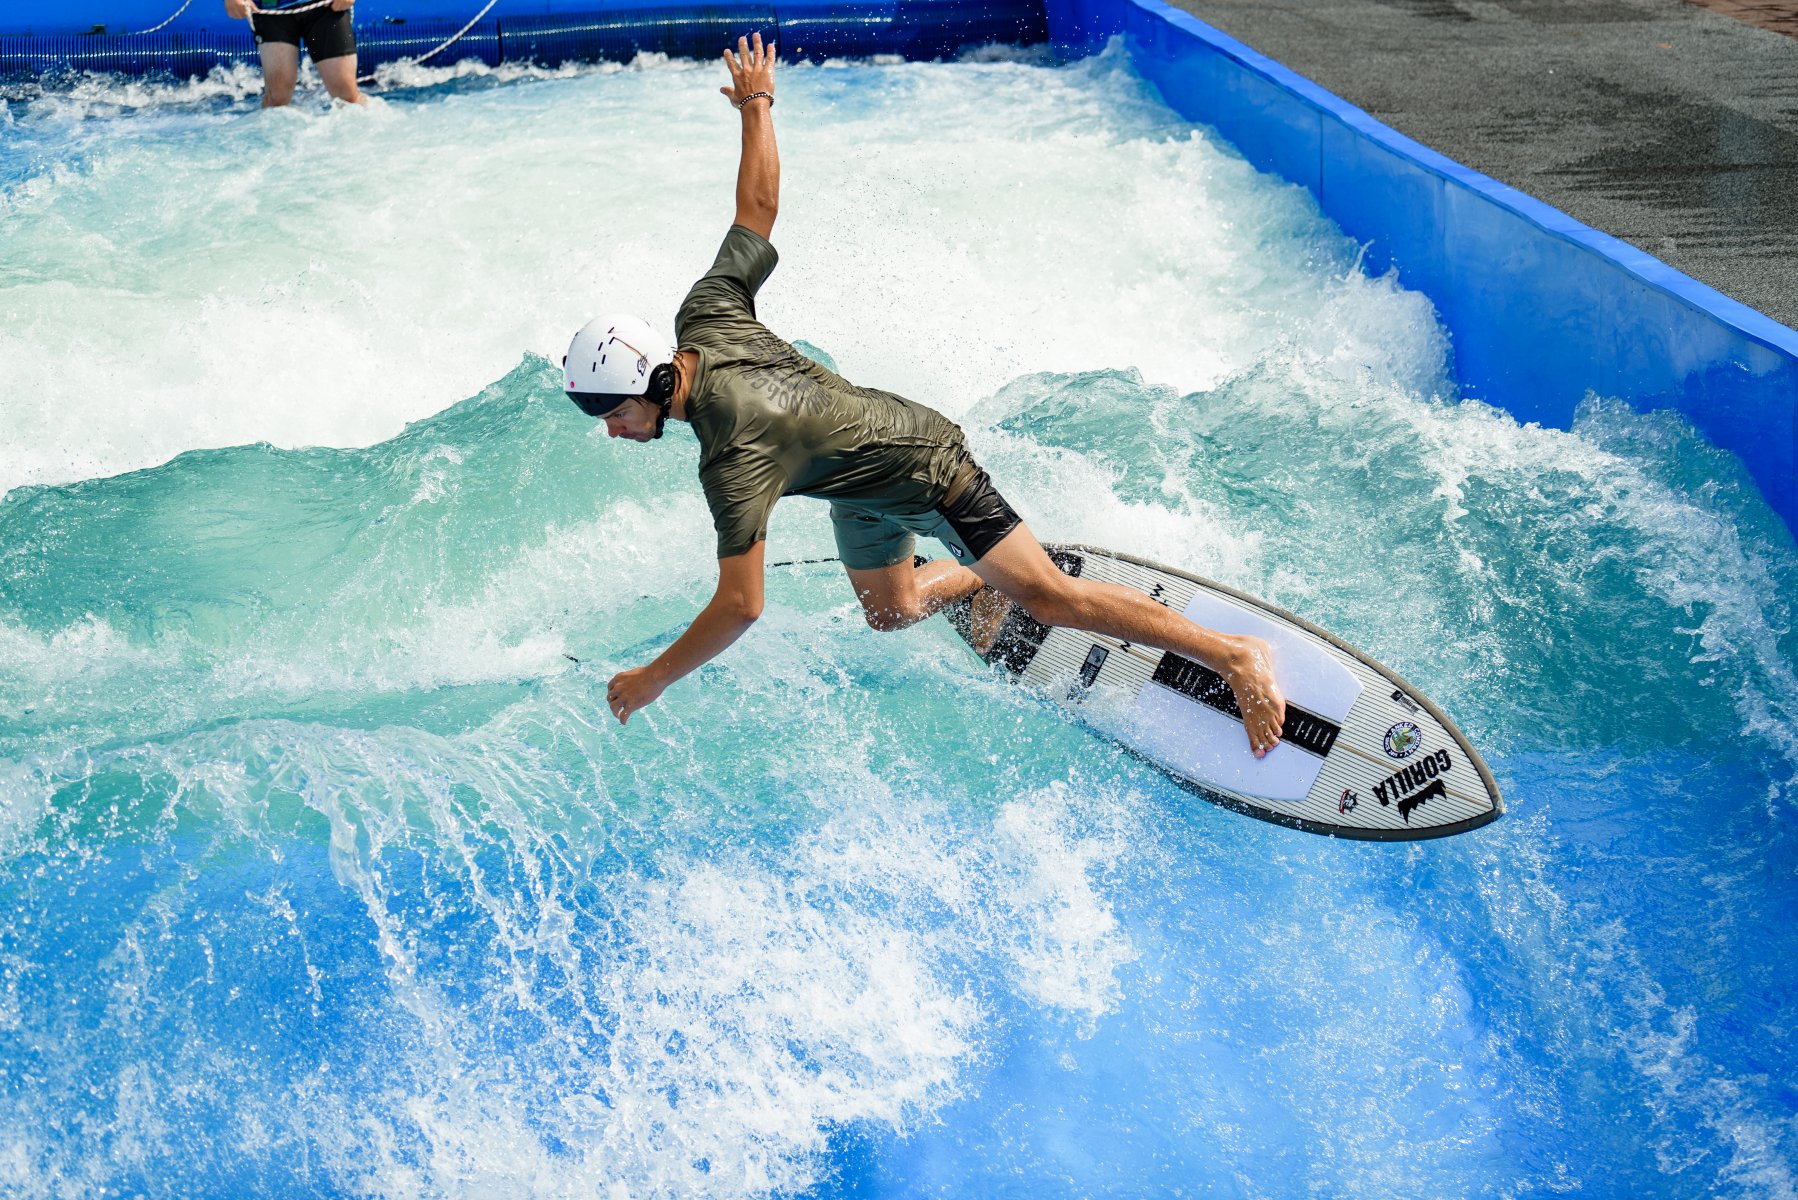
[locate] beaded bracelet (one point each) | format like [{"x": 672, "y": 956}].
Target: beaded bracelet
[{"x": 754, "y": 96}]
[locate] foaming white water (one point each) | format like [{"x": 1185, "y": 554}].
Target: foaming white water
[
  {"x": 1584, "y": 950},
  {"x": 764, "y": 997},
  {"x": 92, "y": 95},
  {"x": 308, "y": 277},
  {"x": 1712, "y": 567}
]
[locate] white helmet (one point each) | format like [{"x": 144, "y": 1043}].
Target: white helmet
[{"x": 615, "y": 358}]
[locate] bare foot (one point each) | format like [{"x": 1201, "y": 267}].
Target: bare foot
[
  {"x": 979, "y": 616},
  {"x": 1258, "y": 695}
]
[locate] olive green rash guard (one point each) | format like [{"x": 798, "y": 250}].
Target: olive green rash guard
[{"x": 772, "y": 423}]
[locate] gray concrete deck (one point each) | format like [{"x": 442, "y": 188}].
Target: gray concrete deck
[{"x": 1664, "y": 124}]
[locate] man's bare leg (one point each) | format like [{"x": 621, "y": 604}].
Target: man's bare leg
[
  {"x": 1019, "y": 567},
  {"x": 901, "y": 595},
  {"x": 280, "y": 71},
  {"x": 339, "y": 77}
]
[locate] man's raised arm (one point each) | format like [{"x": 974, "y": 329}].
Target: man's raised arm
[{"x": 758, "y": 174}]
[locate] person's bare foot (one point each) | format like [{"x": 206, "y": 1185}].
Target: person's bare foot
[
  {"x": 1251, "y": 676},
  {"x": 979, "y": 617}
]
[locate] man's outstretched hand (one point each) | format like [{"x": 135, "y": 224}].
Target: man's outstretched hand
[
  {"x": 632, "y": 691},
  {"x": 751, "y": 69}
]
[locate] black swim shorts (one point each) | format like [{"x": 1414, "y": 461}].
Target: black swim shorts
[
  {"x": 327, "y": 34},
  {"x": 977, "y": 513},
  {"x": 970, "y": 522}
]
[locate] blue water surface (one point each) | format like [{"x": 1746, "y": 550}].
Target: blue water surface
[{"x": 323, "y": 872}]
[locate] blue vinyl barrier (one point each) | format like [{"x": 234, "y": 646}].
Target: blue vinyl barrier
[
  {"x": 1541, "y": 309},
  {"x": 39, "y": 38},
  {"x": 45, "y": 38}
]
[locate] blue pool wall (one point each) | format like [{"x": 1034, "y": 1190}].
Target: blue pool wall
[
  {"x": 1542, "y": 311},
  {"x": 45, "y": 36}
]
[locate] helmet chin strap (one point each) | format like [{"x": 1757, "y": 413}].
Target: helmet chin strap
[{"x": 662, "y": 384}]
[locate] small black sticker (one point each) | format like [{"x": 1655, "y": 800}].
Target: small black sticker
[{"x": 1089, "y": 670}]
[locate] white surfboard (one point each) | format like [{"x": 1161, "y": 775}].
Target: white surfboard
[{"x": 1363, "y": 754}]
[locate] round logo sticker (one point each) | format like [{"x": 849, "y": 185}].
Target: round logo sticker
[{"x": 1402, "y": 740}]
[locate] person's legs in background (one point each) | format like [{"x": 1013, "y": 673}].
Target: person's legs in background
[
  {"x": 339, "y": 76},
  {"x": 280, "y": 71}
]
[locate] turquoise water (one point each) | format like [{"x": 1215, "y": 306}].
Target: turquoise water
[{"x": 322, "y": 871}]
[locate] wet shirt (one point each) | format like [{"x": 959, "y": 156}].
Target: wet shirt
[{"x": 772, "y": 423}]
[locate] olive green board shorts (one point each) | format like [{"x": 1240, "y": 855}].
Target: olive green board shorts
[{"x": 974, "y": 520}]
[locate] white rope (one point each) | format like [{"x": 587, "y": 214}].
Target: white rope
[
  {"x": 250, "y": 11},
  {"x": 170, "y": 21},
  {"x": 438, "y": 49},
  {"x": 290, "y": 11}
]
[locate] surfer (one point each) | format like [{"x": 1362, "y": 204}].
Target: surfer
[{"x": 771, "y": 423}]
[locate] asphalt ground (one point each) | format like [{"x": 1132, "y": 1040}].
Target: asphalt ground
[{"x": 1670, "y": 126}]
